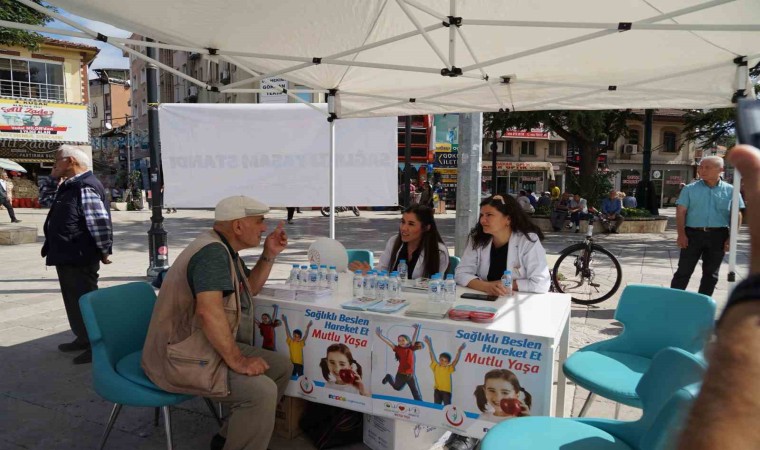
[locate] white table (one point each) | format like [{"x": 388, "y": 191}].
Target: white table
[{"x": 529, "y": 326}]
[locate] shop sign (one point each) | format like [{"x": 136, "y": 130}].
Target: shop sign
[
  {"x": 675, "y": 179},
  {"x": 447, "y": 130},
  {"x": 656, "y": 174},
  {"x": 40, "y": 120},
  {"x": 531, "y": 179},
  {"x": 443, "y": 171},
  {"x": 445, "y": 159},
  {"x": 442, "y": 147},
  {"x": 510, "y": 165},
  {"x": 532, "y": 133},
  {"x": 631, "y": 180},
  {"x": 273, "y": 95}
]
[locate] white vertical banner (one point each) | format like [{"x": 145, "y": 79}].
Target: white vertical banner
[{"x": 277, "y": 153}]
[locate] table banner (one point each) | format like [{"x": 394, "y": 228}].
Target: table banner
[
  {"x": 330, "y": 350},
  {"x": 461, "y": 378}
]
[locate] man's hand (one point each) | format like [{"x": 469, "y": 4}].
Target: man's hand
[
  {"x": 682, "y": 241},
  {"x": 745, "y": 159},
  {"x": 276, "y": 241},
  {"x": 104, "y": 259},
  {"x": 726, "y": 245},
  {"x": 250, "y": 366}
]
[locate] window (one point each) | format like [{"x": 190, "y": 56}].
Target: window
[
  {"x": 633, "y": 137},
  {"x": 528, "y": 148},
  {"x": 506, "y": 148},
  {"x": 94, "y": 111},
  {"x": 669, "y": 142},
  {"x": 31, "y": 79},
  {"x": 555, "y": 148}
]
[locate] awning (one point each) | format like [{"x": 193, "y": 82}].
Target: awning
[{"x": 34, "y": 160}]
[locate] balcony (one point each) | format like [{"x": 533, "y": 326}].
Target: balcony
[{"x": 26, "y": 89}]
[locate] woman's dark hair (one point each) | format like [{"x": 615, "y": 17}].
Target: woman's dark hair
[
  {"x": 430, "y": 239},
  {"x": 508, "y": 206},
  {"x": 345, "y": 351},
  {"x": 503, "y": 374}
]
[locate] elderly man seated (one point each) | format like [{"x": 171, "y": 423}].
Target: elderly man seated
[{"x": 200, "y": 339}]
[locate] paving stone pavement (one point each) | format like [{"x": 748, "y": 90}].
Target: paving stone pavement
[{"x": 48, "y": 403}]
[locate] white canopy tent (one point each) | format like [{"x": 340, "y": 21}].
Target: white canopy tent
[{"x": 402, "y": 57}]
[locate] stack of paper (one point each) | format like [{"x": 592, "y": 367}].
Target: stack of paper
[
  {"x": 360, "y": 304},
  {"x": 304, "y": 294},
  {"x": 389, "y": 306},
  {"x": 428, "y": 310}
]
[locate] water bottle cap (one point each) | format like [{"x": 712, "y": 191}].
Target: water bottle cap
[
  {"x": 507, "y": 272},
  {"x": 332, "y": 267},
  {"x": 402, "y": 260},
  {"x": 313, "y": 266},
  {"x": 450, "y": 276},
  {"x": 295, "y": 266},
  {"x": 394, "y": 273},
  {"x": 358, "y": 272},
  {"x": 304, "y": 267},
  {"x": 323, "y": 265}
]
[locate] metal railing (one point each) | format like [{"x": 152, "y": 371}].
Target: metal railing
[{"x": 26, "y": 89}]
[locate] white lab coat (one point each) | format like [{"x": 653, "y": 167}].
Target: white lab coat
[
  {"x": 387, "y": 258},
  {"x": 526, "y": 259}
]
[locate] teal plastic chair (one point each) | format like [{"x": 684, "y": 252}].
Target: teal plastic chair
[
  {"x": 667, "y": 391},
  {"x": 654, "y": 318},
  {"x": 117, "y": 320},
  {"x": 453, "y": 263},
  {"x": 365, "y": 256}
]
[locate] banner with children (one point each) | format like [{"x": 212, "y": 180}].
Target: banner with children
[
  {"x": 461, "y": 378},
  {"x": 330, "y": 351}
]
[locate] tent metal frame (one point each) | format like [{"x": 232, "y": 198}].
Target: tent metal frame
[{"x": 474, "y": 71}]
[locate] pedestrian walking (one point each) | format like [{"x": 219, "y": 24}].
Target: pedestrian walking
[
  {"x": 5, "y": 196},
  {"x": 703, "y": 216},
  {"x": 78, "y": 237}
]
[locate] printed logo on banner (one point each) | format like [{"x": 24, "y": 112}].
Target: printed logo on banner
[
  {"x": 307, "y": 387},
  {"x": 453, "y": 415}
]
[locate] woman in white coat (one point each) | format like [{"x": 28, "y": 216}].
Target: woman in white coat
[
  {"x": 504, "y": 238},
  {"x": 418, "y": 242}
]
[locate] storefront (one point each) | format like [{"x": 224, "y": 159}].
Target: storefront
[
  {"x": 667, "y": 181},
  {"x": 512, "y": 177}
]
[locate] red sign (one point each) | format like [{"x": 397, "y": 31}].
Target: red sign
[{"x": 533, "y": 133}]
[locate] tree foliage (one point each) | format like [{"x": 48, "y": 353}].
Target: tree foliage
[
  {"x": 13, "y": 11},
  {"x": 591, "y": 132},
  {"x": 712, "y": 127}
]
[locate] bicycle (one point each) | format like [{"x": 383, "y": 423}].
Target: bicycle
[
  {"x": 587, "y": 271},
  {"x": 325, "y": 210}
]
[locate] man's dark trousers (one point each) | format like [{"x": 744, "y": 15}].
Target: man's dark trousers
[
  {"x": 5, "y": 202},
  {"x": 75, "y": 282},
  {"x": 707, "y": 245}
]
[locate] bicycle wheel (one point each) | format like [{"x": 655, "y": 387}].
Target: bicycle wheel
[
  {"x": 588, "y": 276},
  {"x": 325, "y": 210},
  {"x": 355, "y": 210}
]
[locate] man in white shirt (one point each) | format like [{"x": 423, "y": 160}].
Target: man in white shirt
[
  {"x": 4, "y": 197},
  {"x": 578, "y": 210}
]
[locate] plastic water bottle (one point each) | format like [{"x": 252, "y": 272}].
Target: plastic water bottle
[
  {"x": 332, "y": 279},
  {"x": 506, "y": 280},
  {"x": 450, "y": 289},
  {"x": 303, "y": 276},
  {"x": 293, "y": 278},
  {"x": 440, "y": 295},
  {"x": 434, "y": 287},
  {"x": 402, "y": 271},
  {"x": 322, "y": 275},
  {"x": 314, "y": 276},
  {"x": 358, "y": 284},
  {"x": 382, "y": 286},
  {"x": 394, "y": 286},
  {"x": 370, "y": 284}
]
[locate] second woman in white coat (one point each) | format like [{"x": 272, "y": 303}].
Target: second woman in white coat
[
  {"x": 418, "y": 242},
  {"x": 504, "y": 238}
]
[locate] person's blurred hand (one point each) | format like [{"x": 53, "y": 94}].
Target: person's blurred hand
[{"x": 747, "y": 160}]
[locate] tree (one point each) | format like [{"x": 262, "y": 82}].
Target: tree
[
  {"x": 713, "y": 127},
  {"x": 13, "y": 11},
  {"x": 591, "y": 132}
]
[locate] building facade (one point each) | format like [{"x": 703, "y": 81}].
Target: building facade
[{"x": 44, "y": 101}]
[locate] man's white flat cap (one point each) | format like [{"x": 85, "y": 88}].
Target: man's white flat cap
[{"x": 237, "y": 207}]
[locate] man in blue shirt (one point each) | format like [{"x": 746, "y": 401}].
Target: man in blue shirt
[
  {"x": 611, "y": 209},
  {"x": 703, "y": 215}
]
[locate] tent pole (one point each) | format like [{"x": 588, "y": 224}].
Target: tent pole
[
  {"x": 331, "y": 120},
  {"x": 157, "y": 242},
  {"x": 743, "y": 85},
  {"x": 407, "y": 160}
]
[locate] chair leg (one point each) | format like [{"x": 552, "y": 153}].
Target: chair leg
[
  {"x": 114, "y": 412},
  {"x": 216, "y": 415},
  {"x": 168, "y": 427},
  {"x": 587, "y": 404},
  {"x": 156, "y": 413},
  {"x": 617, "y": 410}
]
